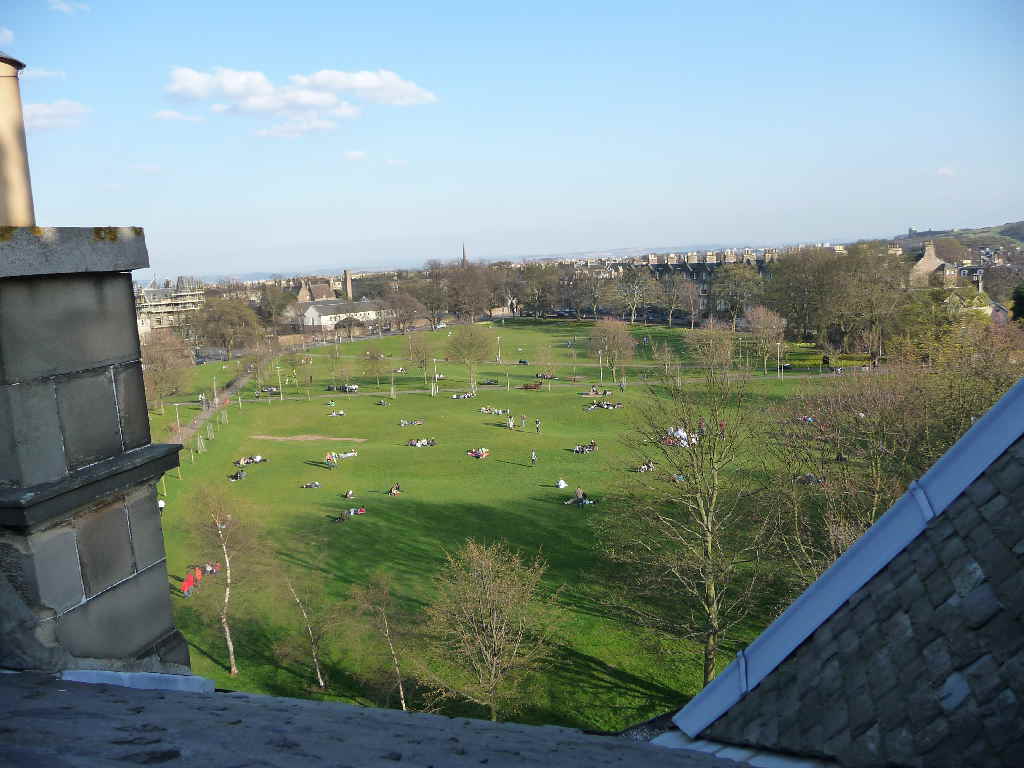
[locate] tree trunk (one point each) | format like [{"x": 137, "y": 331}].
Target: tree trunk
[
  {"x": 710, "y": 652},
  {"x": 312, "y": 642},
  {"x": 670, "y": 318},
  {"x": 494, "y": 712},
  {"x": 394, "y": 659},
  {"x": 232, "y": 662}
]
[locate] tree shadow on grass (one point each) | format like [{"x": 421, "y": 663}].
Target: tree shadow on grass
[{"x": 632, "y": 698}]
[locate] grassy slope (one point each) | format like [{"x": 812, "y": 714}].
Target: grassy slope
[{"x": 607, "y": 676}]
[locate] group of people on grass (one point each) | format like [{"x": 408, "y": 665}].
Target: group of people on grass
[
  {"x": 606, "y": 404},
  {"x": 194, "y": 576},
  {"x": 590, "y": 447},
  {"x": 495, "y": 411},
  {"x": 595, "y": 393},
  {"x": 395, "y": 490},
  {"x": 463, "y": 395},
  {"x": 580, "y": 497},
  {"x": 423, "y": 442},
  {"x": 247, "y": 460},
  {"x": 413, "y": 423},
  {"x": 478, "y": 453}
]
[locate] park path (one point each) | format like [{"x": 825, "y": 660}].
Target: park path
[{"x": 223, "y": 401}]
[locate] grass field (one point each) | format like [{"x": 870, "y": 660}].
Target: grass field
[{"x": 608, "y": 674}]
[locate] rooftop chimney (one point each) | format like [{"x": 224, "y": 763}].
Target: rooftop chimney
[{"x": 16, "y": 209}]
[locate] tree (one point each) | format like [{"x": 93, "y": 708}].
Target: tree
[
  {"x": 1018, "y": 301},
  {"x": 632, "y": 289},
  {"x": 539, "y": 288},
  {"x": 1000, "y": 281},
  {"x": 768, "y": 329},
  {"x": 227, "y": 323},
  {"x": 374, "y": 601},
  {"x": 664, "y": 355},
  {"x": 490, "y": 624},
  {"x": 693, "y": 547},
  {"x": 596, "y": 289},
  {"x": 469, "y": 290},
  {"x": 165, "y": 359},
  {"x": 615, "y": 343},
  {"x": 349, "y": 324},
  {"x": 421, "y": 351},
  {"x": 734, "y": 287},
  {"x": 404, "y": 309},
  {"x": 839, "y": 457},
  {"x": 228, "y": 533},
  {"x": 680, "y": 293},
  {"x": 375, "y": 362},
  {"x": 274, "y": 300},
  {"x": 319, "y": 615},
  {"x": 433, "y": 293},
  {"x": 470, "y": 345}
]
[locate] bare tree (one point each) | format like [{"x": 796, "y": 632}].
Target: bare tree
[
  {"x": 692, "y": 548},
  {"x": 768, "y": 329},
  {"x": 615, "y": 343},
  {"x": 734, "y": 287},
  {"x": 632, "y": 289},
  {"x": 374, "y": 601},
  {"x": 491, "y": 624},
  {"x": 680, "y": 293},
  {"x": 229, "y": 533},
  {"x": 471, "y": 345},
  {"x": 165, "y": 360},
  {"x": 421, "y": 351},
  {"x": 404, "y": 309},
  {"x": 349, "y": 324},
  {"x": 664, "y": 356},
  {"x": 375, "y": 362},
  {"x": 319, "y": 616}
]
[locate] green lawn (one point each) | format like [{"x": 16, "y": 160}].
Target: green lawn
[{"x": 607, "y": 675}]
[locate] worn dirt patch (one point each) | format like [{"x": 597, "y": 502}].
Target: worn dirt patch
[{"x": 307, "y": 438}]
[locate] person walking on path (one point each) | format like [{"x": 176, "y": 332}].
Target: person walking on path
[
  {"x": 533, "y": 458},
  {"x": 536, "y": 423}
]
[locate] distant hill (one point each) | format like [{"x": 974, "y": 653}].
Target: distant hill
[{"x": 1008, "y": 235}]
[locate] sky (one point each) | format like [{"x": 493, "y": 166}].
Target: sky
[{"x": 281, "y": 137}]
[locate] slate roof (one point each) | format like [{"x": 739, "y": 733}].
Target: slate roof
[{"x": 923, "y": 663}]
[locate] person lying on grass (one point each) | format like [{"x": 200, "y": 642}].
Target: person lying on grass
[{"x": 313, "y": 484}]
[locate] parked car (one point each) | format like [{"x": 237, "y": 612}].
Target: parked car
[
  {"x": 442, "y": 325},
  {"x": 349, "y": 387}
]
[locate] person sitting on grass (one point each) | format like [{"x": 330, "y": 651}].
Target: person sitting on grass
[
  {"x": 331, "y": 403},
  {"x": 395, "y": 490},
  {"x": 239, "y": 475},
  {"x": 561, "y": 483},
  {"x": 313, "y": 484},
  {"x": 350, "y": 494}
]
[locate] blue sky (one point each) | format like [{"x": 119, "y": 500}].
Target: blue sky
[{"x": 252, "y": 136}]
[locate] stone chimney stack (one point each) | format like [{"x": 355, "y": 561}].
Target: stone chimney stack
[
  {"x": 16, "y": 208},
  {"x": 348, "y": 285},
  {"x": 83, "y": 576}
]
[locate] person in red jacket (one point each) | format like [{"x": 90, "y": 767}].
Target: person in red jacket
[
  {"x": 187, "y": 583},
  {"x": 199, "y": 576}
]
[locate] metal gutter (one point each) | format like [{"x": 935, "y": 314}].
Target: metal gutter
[{"x": 926, "y": 498}]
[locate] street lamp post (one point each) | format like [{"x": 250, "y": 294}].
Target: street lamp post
[
  {"x": 778, "y": 358},
  {"x": 499, "y": 349}
]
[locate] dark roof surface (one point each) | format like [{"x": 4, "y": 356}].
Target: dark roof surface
[{"x": 50, "y": 723}]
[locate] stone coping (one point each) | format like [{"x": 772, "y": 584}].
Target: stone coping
[
  {"x": 28, "y": 251},
  {"x": 27, "y": 507}
]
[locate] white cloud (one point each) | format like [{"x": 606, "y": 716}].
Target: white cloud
[
  {"x": 297, "y": 126},
  {"x": 67, "y": 6},
  {"x": 60, "y": 114},
  {"x": 307, "y": 103},
  {"x": 173, "y": 114},
  {"x": 355, "y": 154},
  {"x": 945, "y": 171},
  {"x": 32, "y": 73},
  {"x": 150, "y": 169},
  {"x": 6, "y": 36},
  {"x": 381, "y": 87}
]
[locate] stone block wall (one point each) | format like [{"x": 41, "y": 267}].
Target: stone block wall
[
  {"x": 81, "y": 548},
  {"x": 924, "y": 665}
]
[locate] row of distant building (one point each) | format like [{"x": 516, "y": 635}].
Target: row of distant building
[{"x": 322, "y": 302}]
